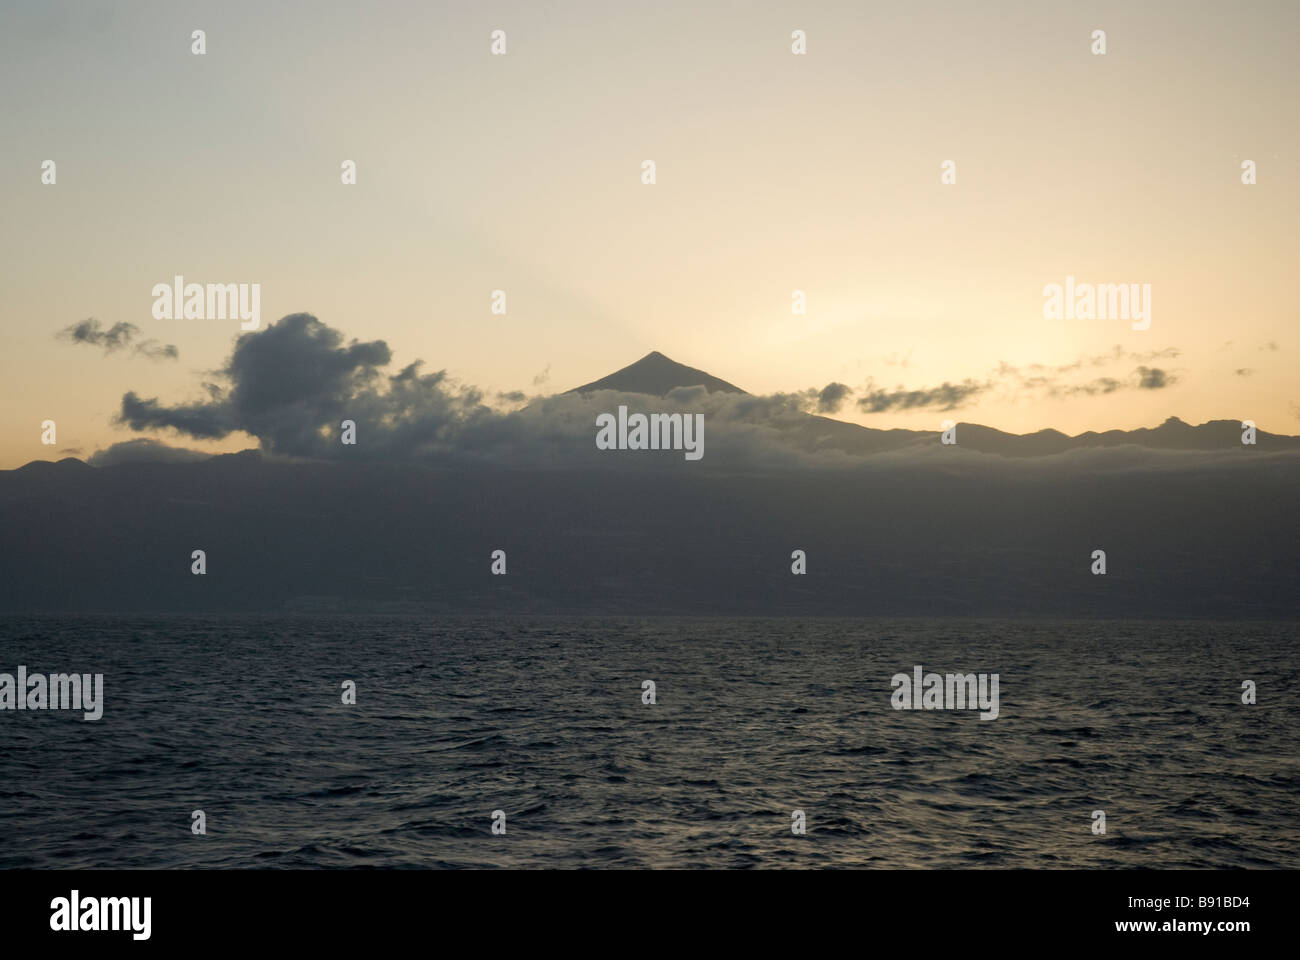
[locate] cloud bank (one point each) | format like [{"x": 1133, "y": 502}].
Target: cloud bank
[{"x": 292, "y": 385}]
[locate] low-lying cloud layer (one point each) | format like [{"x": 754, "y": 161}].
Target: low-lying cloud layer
[
  {"x": 292, "y": 386},
  {"x": 144, "y": 450}
]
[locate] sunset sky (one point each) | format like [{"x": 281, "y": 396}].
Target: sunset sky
[{"x": 775, "y": 173}]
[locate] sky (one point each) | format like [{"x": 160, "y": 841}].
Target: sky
[{"x": 774, "y": 173}]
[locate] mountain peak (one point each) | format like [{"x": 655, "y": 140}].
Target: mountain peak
[{"x": 657, "y": 375}]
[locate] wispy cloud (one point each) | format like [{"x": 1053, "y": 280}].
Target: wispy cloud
[
  {"x": 946, "y": 396},
  {"x": 1153, "y": 378},
  {"x": 1037, "y": 380},
  {"x": 120, "y": 336},
  {"x": 144, "y": 450}
]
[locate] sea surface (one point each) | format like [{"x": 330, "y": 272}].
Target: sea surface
[{"x": 542, "y": 718}]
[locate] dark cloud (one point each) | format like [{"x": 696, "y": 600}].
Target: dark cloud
[
  {"x": 144, "y": 450},
  {"x": 946, "y": 396},
  {"x": 1153, "y": 378},
  {"x": 1245, "y": 372},
  {"x": 117, "y": 337},
  {"x": 157, "y": 351},
  {"x": 832, "y": 397},
  {"x": 543, "y": 377},
  {"x": 827, "y": 399},
  {"x": 1102, "y": 385},
  {"x": 204, "y": 421},
  {"x": 292, "y": 384}
]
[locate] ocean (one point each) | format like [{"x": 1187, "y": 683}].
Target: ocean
[{"x": 543, "y": 719}]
